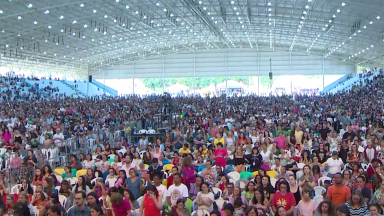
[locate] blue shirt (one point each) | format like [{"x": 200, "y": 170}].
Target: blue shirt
[{"x": 74, "y": 211}]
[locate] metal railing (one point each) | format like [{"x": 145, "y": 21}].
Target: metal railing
[{"x": 57, "y": 156}]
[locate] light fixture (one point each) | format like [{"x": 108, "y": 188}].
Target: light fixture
[
  {"x": 30, "y": 6},
  {"x": 19, "y": 17},
  {"x": 338, "y": 10},
  {"x": 334, "y": 16},
  {"x": 94, "y": 11},
  {"x": 343, "y": 4},
  {"x": 269, "y": 3},
  {"x": 371, "y": 23},
  {"x": 61, "y": 30},
  {"x": 61, "y": 17},
  {"x": 74, "y": 22},
  {"x": 157, "y": 4},
  {"x": 49, "y": 27},
  {"x": 105, "y": 16},
  {"x": 378, "y": 17},
  {"x": 81, "y": 5},
  {"x": 117, "y": 1},
  {"x": 46, "y": 12},
  {"x": 1, "y": 11},
  {"x": 85, "y": 26}
]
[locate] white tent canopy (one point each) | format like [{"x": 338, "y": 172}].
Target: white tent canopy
[{"x": 177, "y": 88}]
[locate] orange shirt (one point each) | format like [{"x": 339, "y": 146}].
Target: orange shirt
[{"x": 339, "y": 195}]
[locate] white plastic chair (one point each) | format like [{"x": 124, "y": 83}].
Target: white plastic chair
[
  {"x": 318, "y": 199},
  {"x": 273, "y": 182},
  {"x": 319, "y": 190},
  {"x": 203, "y": 213},
  {"x": 220, "y": 203},
  {"x": 59, "y": 178},
  {"x": 91, "y": 143},
  {"x": 322, "y": 179},
  {"x": 364, "y": 166},
  {"x": 300, "y": 165},
  {"x": 15, "y": 189},
  {"x": 143, "y": 131},
  {"x": 111, "y": 182},
  {"x": 62, "y": 200},
  {"x": 72, "y": 180},
  {"x": 216, "y": 190},
  {"x": 3, "y": 150},
  {"x": 234, "y": 175},
  {"x": 140, "y": 200},
  {"x": 142, "y": 153},
  {"x": 36, "y": 211}
]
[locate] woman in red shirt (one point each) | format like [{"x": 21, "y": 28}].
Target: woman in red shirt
[
  {"x": 151, "y": 203},
  {"x": 241, "y": 140}
]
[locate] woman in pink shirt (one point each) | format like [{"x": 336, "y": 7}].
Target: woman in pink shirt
[
  {"x": 16, "y": 161},
  {"x": 6, "y": 135},
  {"x": 280, "y": 141},
  {"x": 188, "y": 172},
  {"x": 120, "y": 205},
  {"x": 221, "y": 155}
]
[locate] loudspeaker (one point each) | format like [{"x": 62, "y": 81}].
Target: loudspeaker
[
  {"x": 90, "y": 78},
  {"x": 270, "y": 75}
]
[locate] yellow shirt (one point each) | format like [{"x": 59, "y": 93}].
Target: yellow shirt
[
  {"x": 184, "y": 151},
  {"x": 221, "y": 140},
  {"x": 298, "y": 136}
]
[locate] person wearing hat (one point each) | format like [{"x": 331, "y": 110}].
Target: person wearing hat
[{"x": 334, "y": 164}]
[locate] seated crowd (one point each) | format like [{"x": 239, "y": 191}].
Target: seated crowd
[{"x": 254, "y": 156}]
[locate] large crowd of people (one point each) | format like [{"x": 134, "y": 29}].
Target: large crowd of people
[{"x": 254, "y": 156}]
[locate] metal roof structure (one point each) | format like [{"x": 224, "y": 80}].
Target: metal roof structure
[{"x": 82, "y": 35}]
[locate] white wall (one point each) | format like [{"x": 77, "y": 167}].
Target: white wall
[{"x": 237, "y": 62}]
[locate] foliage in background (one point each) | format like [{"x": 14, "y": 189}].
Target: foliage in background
[{"x": 203, "y": 82}]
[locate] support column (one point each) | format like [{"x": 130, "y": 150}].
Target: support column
[
  {"x": 133, "y": 79},
  {"x": 194, "y": 73},
  {"x": 226, "y": 73},
  {"x": 323, "y": 72},
  {"x": 290, "y": 69},
  {"x": 87, "y": 83},
  {"x": 163, "y": 74},
  {"x": 258, "y": 72}
]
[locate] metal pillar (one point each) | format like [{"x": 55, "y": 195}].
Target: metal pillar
[
  {"x": 226, "y": 73},
  {"x": 290, "y": 68},
  {"x": 258, "y": 72},
  {"x": 87, "y": 83},
  {"x": 194, "y": 73},
  {"x": 323, "y": 72},
  {"x": 163, "y": 74},
  {"x": 133, "y": 80}
]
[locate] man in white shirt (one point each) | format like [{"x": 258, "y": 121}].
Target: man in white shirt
[
  {"x": 334, "y": 164},
  {"x": 58, "y": 138},
  {"x": 176, "y": 191}
]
